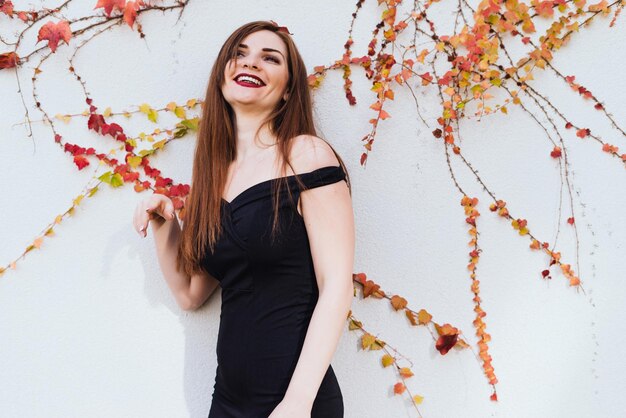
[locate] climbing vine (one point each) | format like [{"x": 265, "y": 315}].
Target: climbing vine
[{"x": 476, "y": 62}]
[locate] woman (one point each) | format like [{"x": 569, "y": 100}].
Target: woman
[{"x": 278, "y": 241}]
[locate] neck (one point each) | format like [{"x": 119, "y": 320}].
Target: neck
[{"x": 247, "y": 122}]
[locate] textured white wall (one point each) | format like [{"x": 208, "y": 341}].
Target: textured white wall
[{"x": 88, "y": 327}]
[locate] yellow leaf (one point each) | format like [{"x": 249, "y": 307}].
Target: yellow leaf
[
  {"x": 354, "y": 324},
  {"x": 158, "y": 145},
  {"x": 134, "y": 161},
  {"x": 107, "y": 112},
  {"x": 37, "y": 242},
  {"x": 367, "y": 340},
  {"x": 387, "y": 360},
  {"x": 92, "y": 191},
  {"x": 377, "y": 344},
  {"x": 180, "y": 112},
  {"x": 50, "y": 231},
  {"x": 418, "y": 399},
  {"x": 144, "y": 108},
  {"x": 171, "y": 106},
  {"x": 191, "y": 102},
  {"x": 78, "y": 200},
  {"x": 58, "y": 219}
]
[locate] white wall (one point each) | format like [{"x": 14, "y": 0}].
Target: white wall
[{"x": 88, "y": 327}]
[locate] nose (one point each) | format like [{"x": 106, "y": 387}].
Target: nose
[{"x": 250, "y": 61}]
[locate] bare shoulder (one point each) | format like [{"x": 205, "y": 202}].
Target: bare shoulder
[{"x": 310, "y": 152}]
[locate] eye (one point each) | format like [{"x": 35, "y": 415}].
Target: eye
[
  {"x": 273, "y": 59},
  {"x": 239, "y": 52}
]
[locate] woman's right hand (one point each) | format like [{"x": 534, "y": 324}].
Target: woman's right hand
[{"x": 157, "y": 207}]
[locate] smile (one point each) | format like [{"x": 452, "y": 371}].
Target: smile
[{"x": 246, "y": 83}]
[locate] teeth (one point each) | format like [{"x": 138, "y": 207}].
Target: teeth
[{"x": 250, "y": 79}]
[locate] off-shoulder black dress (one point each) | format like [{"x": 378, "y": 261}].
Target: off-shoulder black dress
[{"x": 269, "y": 292}]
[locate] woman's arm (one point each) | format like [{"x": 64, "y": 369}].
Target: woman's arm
[
  {"x": 329, "y": 221},
  {"x": 190, "y": 292}
]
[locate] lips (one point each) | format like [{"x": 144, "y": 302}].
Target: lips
[{"x": 242, "y": 81}]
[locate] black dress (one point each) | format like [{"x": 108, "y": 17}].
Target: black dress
[{"x": 269, "y": 292}]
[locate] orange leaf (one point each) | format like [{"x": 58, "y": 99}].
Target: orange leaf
[
  {"x": 424, "y": 317},
  {"x": 109, "y": 5},
  {"x": 411, "y": 316},
  {"x": 406, "y": 372},
  {"x": 130, "y": 11},
  {"x": 398, "y": 302},
  {"x": 398, "y": 388}
]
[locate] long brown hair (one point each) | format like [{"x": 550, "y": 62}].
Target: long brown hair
[{"x": 216, "y": 146}]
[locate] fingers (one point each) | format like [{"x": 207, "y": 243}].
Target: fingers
[{"x": 156, "y": 207}]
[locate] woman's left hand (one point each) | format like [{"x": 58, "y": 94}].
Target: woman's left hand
[{"x": 291, "y": 408}]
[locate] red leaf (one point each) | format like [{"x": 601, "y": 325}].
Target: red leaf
[
  {"x": 556, "y": 152},
  {"x": 110, "y": 4},
  {"x": 7, "y": 8},
  {"x": 445, "y": 343},
  {"x": 96, "y": 122},
  {"x": 55, "y": 32},
  {"x": 130, "y": 11},
  {"x": 8, "y": 60},
  {"x": 80, "y": 161},
  {"x": 570, "y": 221}
]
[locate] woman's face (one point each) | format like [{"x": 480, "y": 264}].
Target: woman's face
[{"x": 259, "y": 76}]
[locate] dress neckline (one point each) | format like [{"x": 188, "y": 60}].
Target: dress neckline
[{"x": 269, "y": 181}]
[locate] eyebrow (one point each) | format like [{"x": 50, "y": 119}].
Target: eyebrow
[{"x": 264, "y": 49}]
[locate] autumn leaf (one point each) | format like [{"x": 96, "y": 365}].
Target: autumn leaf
[
  {"x": 377, "y": 344},
  {"x": 424, "y": 317},
  {"x": 387, "y": 360},
  {"x": 411, "y": 316},
  {"x": 445, "y": 343},
  {"x": 109, "y": 5},
  {"x": 130, "y": 11},
  {"x": 149, "y": 111},
  {"x": 55, "y": 32},
  {"x": 354, "y": 324},
  {"x": 367, "y": 340},
  {"x": 398, "y": 302},
  {"x": 398, "y": 388},
  {"x": 80, "y": 161},
  {"x": 405, "y": 372},
  {"x": 8, "y": 60},
  {"x": 448, "y": 336},
  {"x": 418, "y": 399}
]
